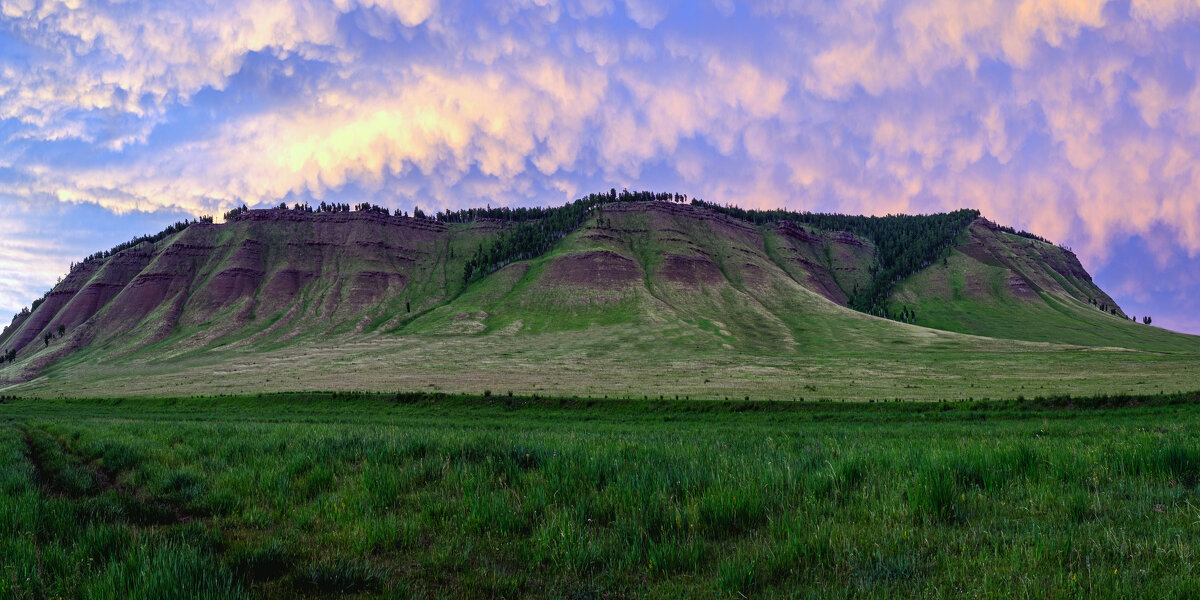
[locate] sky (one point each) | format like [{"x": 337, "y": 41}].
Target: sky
[{"x": 1078, "y": 120}]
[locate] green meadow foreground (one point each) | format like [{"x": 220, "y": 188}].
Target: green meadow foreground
[{"x": 438, "y": 496}]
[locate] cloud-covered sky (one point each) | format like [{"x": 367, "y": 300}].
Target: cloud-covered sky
[{"x": 1076, "y": 119}]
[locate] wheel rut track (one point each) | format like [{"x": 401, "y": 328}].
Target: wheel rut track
[
  {"x": 162, "y": 513},
  {"x": 37, "y": 460},
  {"x": 158, "y": 511}
]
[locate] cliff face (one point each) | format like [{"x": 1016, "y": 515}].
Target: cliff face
[
  {"x": 288, "y": 270},
  {"x": 1041, "y": 267}
]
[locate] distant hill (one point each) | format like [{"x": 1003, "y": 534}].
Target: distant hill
[{"x": 638, "y": 276}]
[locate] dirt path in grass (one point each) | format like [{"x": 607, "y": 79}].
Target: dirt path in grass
[
  {"x": 148, "y": 510},
  {"x": 34, "y": 454},
  {"x": 63, "y": 473}
]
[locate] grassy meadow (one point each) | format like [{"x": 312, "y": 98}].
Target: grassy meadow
[
  {"x": 429, "y": 496},
  {"x": 864, "y": 358}
]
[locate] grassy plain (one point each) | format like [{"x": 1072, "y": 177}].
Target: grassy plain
[
  {"x": 836, "y": 359},
  {"x": 326, "y": 495}
]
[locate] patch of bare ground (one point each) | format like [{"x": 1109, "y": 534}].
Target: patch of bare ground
[
  {"x": 592, "y": 269},
  {"x": 690, "y": 270}
]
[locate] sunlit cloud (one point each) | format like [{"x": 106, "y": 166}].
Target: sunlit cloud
[{"x": 1077, "y": 119}]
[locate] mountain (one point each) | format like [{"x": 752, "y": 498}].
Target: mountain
[
  {"x": 677, "y": 296},
  {"x": 999, "y": 284}
]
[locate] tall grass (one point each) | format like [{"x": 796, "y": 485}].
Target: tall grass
[{"x": 294, "y": 498}]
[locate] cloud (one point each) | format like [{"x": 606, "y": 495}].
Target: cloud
[
  {"x": 86, "y": 61},
  {"x": 646, "y": 13},
  {"x": 879, "y": 46},
  {"x": 28, "y": 265},
  {"x": 1078, "y": 119},
  {"x": 1163, "y": 13},
  {"x": 498, "y": 118},
  {"x": 410, "y": 13}
]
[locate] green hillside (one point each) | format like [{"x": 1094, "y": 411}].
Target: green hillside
[
  {"x": 1002, "y": 285},
  {"x": 613, "y": 295}
]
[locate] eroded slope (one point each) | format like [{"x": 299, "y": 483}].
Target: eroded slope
[
  {"x": 644, "y": 291},
  {"x": 1002, "y": 285}
]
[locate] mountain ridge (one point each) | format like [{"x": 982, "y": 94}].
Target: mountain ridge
[{"x": 696, "y": 278}]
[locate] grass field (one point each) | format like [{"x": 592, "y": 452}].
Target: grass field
[
  {"x": 442, "y": 496},
  {"x": 863, "y": 359}
]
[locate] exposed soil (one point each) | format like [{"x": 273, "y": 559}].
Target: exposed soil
[
  {"x": 140, "y": 298},
  {"x": 976, "y": 249},
  {"x": 368, "y": 288},
  {"x": 1019, "y": 288},
  {"x": 754, "y": 276},
  {"x": 87, "y": 302},
  {"x": 813, "y": 253},
  {"x": 693, "y": 270},
  {"x": 227, "y": 287},
  {"x": 1032, "y": 263},
  {"x": 268, "y": 257},
  {"x": 592, "y": 269},
  {"x": 601, "y": 236}
]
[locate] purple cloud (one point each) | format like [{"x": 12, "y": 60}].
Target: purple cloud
[{"x": 1077, "y": 119}]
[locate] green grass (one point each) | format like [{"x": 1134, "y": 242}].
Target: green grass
[
  {"x": 866, "y": 359},
  {"x": 969, "y": 295},
  {"x": 329, "y": 495},
  {"x": 938, "y": 296}
]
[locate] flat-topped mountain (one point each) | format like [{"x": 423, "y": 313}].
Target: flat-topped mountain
[{"x": 636, "y": 276}]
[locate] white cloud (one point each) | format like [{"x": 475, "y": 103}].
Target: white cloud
[
  {"x": 1063, "y": 116},
  {"x": 140, "y": 57},
  {"x": 646, "y": 13}
]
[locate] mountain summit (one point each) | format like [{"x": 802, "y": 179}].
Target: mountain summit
[{"x": 643, "y": 277}]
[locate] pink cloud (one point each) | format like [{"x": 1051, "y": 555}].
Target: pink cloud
[{"x": 1061, "y": 116}]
